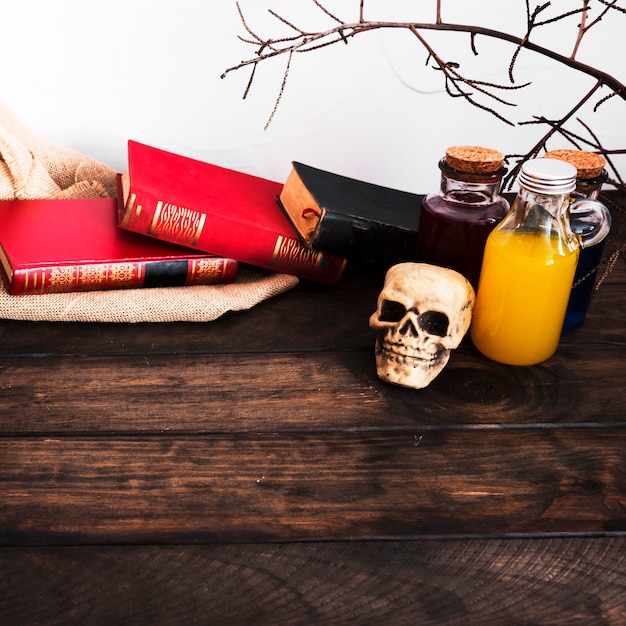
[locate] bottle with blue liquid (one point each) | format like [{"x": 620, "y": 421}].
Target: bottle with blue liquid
[{"x": 585, "y": 222}]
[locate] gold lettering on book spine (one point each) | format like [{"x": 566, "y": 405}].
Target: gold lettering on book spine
[
  {"x": 177, "y": 224},
  {"x": 291, "y": 253}
]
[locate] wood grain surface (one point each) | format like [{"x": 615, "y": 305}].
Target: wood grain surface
[
  {"x": 255, "y": 470},
  {"x": 458, "y": 582}
]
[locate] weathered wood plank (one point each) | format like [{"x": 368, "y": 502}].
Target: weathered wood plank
[
  {"x": 318, "y": 391},
  {"x": 293, "y": 487},
  {"x": 561, "y": 582}
]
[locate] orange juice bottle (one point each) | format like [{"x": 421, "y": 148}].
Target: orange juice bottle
[{"x": 528, "y": 267}]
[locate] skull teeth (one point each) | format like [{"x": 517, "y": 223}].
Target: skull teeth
[{"x": 392, "y": 351}]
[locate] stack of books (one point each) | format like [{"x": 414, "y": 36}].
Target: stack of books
[
  {"x": 55, "y": 246},
  {"x": 181, "y": 221}
]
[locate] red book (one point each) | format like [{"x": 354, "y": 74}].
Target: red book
[
  {"x": 218, "y": 210},
  {"x": 52, "y": 246}
]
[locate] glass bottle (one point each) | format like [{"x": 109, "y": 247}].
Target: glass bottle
[
  {"x": 456, "y": 220},
  {"x": 528, "y": 268},
  {"x": 591, "y": 175}
]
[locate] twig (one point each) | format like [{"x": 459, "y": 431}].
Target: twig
[{"x": 456, "y": 83}]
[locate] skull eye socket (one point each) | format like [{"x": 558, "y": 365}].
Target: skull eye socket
[
  {"x": 391, "y": 311},
  {"x": 434, "y": 323}
]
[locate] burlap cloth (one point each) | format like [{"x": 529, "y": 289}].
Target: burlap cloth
[{"x": 33, "y": 167}]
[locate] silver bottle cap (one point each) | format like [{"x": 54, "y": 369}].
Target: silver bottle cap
[{"x": 548, "y": 176}]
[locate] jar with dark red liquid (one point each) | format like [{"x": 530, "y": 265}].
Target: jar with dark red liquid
[{"x": 456, "y": 220}]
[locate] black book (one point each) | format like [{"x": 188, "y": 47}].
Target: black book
[{"x": 351, "y": 217}]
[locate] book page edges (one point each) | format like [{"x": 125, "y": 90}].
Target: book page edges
[
  {"x": 301, "y": 208},
  {"x": 6, "y": 265},
  {"x": 125, "y": 205}
]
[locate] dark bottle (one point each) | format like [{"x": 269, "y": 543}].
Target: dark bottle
[{"x": 456, "y": 220}]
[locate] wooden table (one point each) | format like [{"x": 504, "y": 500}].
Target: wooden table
[{"x": 255, "y": 470}]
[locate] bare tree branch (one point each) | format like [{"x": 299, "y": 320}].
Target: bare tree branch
[
  {"x": 304, "y": 42},
  {"x": 483, "y": 95},
  {"x": 553, "y": 128}
]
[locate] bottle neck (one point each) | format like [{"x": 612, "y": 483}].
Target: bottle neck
[
  {"x": 542, "y": 214},
  {"x": 591, "y": 187},
  {"x": 552, "y": 206},
  {"x": 469, "y": 188}
]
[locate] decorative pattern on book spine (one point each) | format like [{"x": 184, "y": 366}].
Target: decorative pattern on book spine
[
  {"x": 82, "y": 278},
  {"x": 177, "y": 224},
  {"x": 290, "y": 252}
]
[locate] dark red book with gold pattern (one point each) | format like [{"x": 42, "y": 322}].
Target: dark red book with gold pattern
[
  {"x": 218, "y": 210},
  {"x": 52, "y": 246}
]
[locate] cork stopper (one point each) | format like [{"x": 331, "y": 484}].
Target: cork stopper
[
  {"x": 588, "y": 164},
  {"x": 474, "y": 159}
]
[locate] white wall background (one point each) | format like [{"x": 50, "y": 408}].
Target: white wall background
[{"x": 94, "y": 74}]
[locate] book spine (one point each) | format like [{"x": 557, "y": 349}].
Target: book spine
[
  {"x": 226, "y": 237},
  {"x": 123, "y": 275},
  {"x": 353, "y": 236},
  {"x": 339, "y": 232}
]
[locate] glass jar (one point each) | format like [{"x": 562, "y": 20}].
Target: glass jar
[
  {"x": 528, "y": 267},
  {"x": 456, "y": 220}
]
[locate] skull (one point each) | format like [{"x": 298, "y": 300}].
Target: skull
[{"x": 423, "y": 312}]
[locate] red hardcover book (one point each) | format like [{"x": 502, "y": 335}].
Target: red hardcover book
[
  {"x": 218, "y": 210},
  {"x": 52, "y": 246}
]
